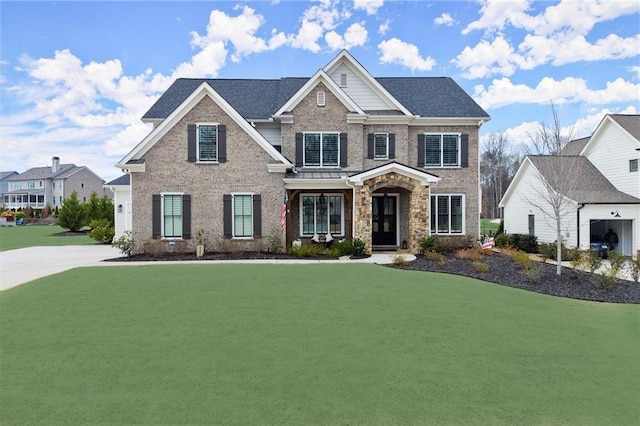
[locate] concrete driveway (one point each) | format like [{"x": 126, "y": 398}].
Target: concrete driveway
[
  {"x": 23, "y": 265},
  {"x": 27, "y": 264}
]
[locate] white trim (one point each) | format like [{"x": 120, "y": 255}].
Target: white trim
[
  {"x": 233, "y": 215},
  {"x": 464, "y": 214},
  {"x": 162, "y": 195},
  {"x": 315, "y": 195},
  {"x": 187, "y": 105},
  {"x": 316, "y": 184},
  {"x": 386, "y": 156},
  {"x": 425, "y": 178},
  {"x": 600, "y": 129},
  {"x": 319, "y": 77},
  {"x": 207, "y": 124},
  {"x": 344, "y": 57},
  {"x": 448, "y": 121},
  {"x": 442, "y": 165}
]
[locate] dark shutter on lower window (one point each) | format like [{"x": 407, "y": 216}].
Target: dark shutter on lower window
[
  {"x": 257, "y": 215},
  {"x": 392, "y": 145},
  {"x": 226, "y": 214},
  {"x": 464, "y": 150},
  {"x": 422, "y": 146},
  {"x": 156, "y": 215},
  {"x": 343, "y": 150},
  {"x": 191, "y": 143},
  {"x": 370, "y": 145},
  {"x": 186, "y": 217},
  {"x": 299, "y": 149},
  {"x": 222, "y": 143}
]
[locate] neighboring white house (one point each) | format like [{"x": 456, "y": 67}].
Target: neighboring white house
[
  {"x": 121, "y": 188},
  {"x": 605, "y": 193}
]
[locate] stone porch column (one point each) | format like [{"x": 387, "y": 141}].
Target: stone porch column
[
  {"x": 418, "y": 216},
  {"x": 362, "y": 214}
]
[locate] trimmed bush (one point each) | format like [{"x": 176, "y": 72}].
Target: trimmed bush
[
  {"x": 125, "y": 243},
  {"x": 502, "y": 240},
  {"x": 102, "y": 231},
  {"x": 73, "y": 215}
]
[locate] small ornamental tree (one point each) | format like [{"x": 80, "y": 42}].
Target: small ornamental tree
[{"x": 72, "y": 215}]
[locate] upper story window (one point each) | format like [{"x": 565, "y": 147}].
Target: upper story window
[
  {"x": 17, "y": 185},
  {"x": 442, "y": 150},
  {"x": 633, "y": 165},
  {"x": 381, "y": 146},
  {"x": 320, "y": 98},
  {"x": 207, "y": 142},
  {"x": 321, "y": 149},
  {"x": 31, "y": 185}
]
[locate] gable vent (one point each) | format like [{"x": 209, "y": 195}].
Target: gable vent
[
  {"x": 320, "y": 98},
  {"x": 343, "y": 80}
]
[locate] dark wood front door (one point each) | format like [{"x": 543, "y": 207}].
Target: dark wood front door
[{"x": 384, "y": 221}]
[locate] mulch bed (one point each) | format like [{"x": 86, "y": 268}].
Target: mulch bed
[{"x": 502, "y": 270}]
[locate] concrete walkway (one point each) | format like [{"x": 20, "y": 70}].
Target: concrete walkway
[{"x": 23, "y": 265}]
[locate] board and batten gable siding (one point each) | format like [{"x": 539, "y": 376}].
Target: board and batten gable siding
[
  {"x": 456, "y": 180},
  {"x": 359, "y": 91},
  {"x": 611, "y": 154},
  {"x": 522, "y": 203},
  {"x": 167, "y": 170}
]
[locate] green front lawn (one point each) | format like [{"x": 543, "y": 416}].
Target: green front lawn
[
  {"x": 14, "y": 237},
  {"x": 309, "y": 344}
]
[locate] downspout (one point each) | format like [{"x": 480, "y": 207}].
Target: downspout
[{"x": 578, "y": 225}]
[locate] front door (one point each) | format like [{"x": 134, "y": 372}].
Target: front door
[{"x": 384, "y": 221}]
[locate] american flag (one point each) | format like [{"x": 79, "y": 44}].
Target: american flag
[
  {"x": 283, "y": 212},
  {"x": 488, "y": 243}
]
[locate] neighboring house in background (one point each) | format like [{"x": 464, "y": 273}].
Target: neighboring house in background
[
  {"x": 121, "y": 189},
  {"x": 4, "y": 183},
  {"x": 42, "y": 186},
  {"x": 606, "y": 194},
  {"x": 386, "y": 160}
]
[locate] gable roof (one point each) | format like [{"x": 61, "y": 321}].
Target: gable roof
[
  {"x": 122, "y": 180},
  {"x": 591, "y": 186},
  {"x": 5, "y": 175},
  {"x": 36, "y": 173},
  {"x": 631, "y": 123},
  {"x": 260, "y": 99},
  {"x": 575, "y": 146},
  {"x": 135, "y": 155}
]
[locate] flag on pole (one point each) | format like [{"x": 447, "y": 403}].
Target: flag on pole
[
  {"x": 488, "y": 243},
  {"x": 283, "y": 212}
]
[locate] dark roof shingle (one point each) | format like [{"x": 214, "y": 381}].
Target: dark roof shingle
[{"x": 631, "y": 123}]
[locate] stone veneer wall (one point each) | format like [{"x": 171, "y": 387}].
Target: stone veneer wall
[{"x": 418, "y": 212}]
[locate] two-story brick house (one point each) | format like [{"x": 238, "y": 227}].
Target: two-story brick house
[{"x": 386, "y": 160}]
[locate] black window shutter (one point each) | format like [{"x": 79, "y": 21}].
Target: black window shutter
[
  {"x": 186, "y": 217},
  {"x": 257, "y": 215},
  {"x": 299, "y": 149},
  {"x": 156, "y": 214},
  {"x": 370, "y": 145},
  {"x": 464, "y": 150},
  {"x": 343, "y": 150},
  {"x": 422, "y": 146},
  {"x": 392, "y": 145},
  {"x": 226, "y": 213},
  {"x": 222, "y": 143},
  {"x": 191, "y": 143}
]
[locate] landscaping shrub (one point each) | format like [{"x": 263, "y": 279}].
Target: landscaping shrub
[
  {"x": 502, "y": 240},
  {"x": 548, "y": 250},
  {"x": 617, "y": 261},
  {"x": 500, "y": 229},
  {"x": 530, "y": 269},
  {"x": 634, "y": 268},
  {"x": 306, "y": 250},
  {"x": 72, "y": 216},
  {"x": 427, "y": 244},
  {"x": 435, "y": 257},
  {"x": 592, "y": 260},
  {"x": 525, "y": 242},
  {"x": 474, "y": 253},
  {"x": 400, "y": 260},
  {"x": 102, "y": 231},
  {"x": 275, "y": 244},
  {"x": 347, "y": 247},
  {"x": 125, "y": 243},
  {"x": 481, "y": 267}
]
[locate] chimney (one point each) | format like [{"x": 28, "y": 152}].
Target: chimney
[{"x": 55, "y": 164}]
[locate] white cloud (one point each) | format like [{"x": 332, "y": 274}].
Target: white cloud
[
  {"x": 307, "y": 37},
  {"x": 635, "y": 70},
  {"x": 503, "y": 92},
  {"x": 370, "y": 6},
  {"x": 444, "y": 19},
  {"x": 395, "y": 51},
  {"x": 384, "y": 27},
  {"x": 551, "y": 37},
  {"x": 356, "y": 35}
]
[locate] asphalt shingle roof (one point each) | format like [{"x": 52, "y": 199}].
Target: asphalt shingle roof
[
  {"x": 122, "y": 180},
  {"x": 36, "y": 173},
  {"x": 631, "y": 123},
  {"x": 260, "y": 99},
  {"x": 3, "y": 175},
  {"x": 588, "y": 185},
  {"x": 574, "y": 147}
]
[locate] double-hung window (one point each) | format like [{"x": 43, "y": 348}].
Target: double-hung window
[
  {"x": 207, "y": 142},
  {"x": 242, "y": 215},
  {"x": 447, "y": 214},
  {"x": 321, "y": 149},
  {"x": 381, "y": 146},
  {"x": 321, "y": 214},
  {"x": 442, "y": 150},
  {"x": 172, "y": 216}
]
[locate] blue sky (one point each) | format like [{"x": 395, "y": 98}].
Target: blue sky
[{"x": 77, "y": 76}]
